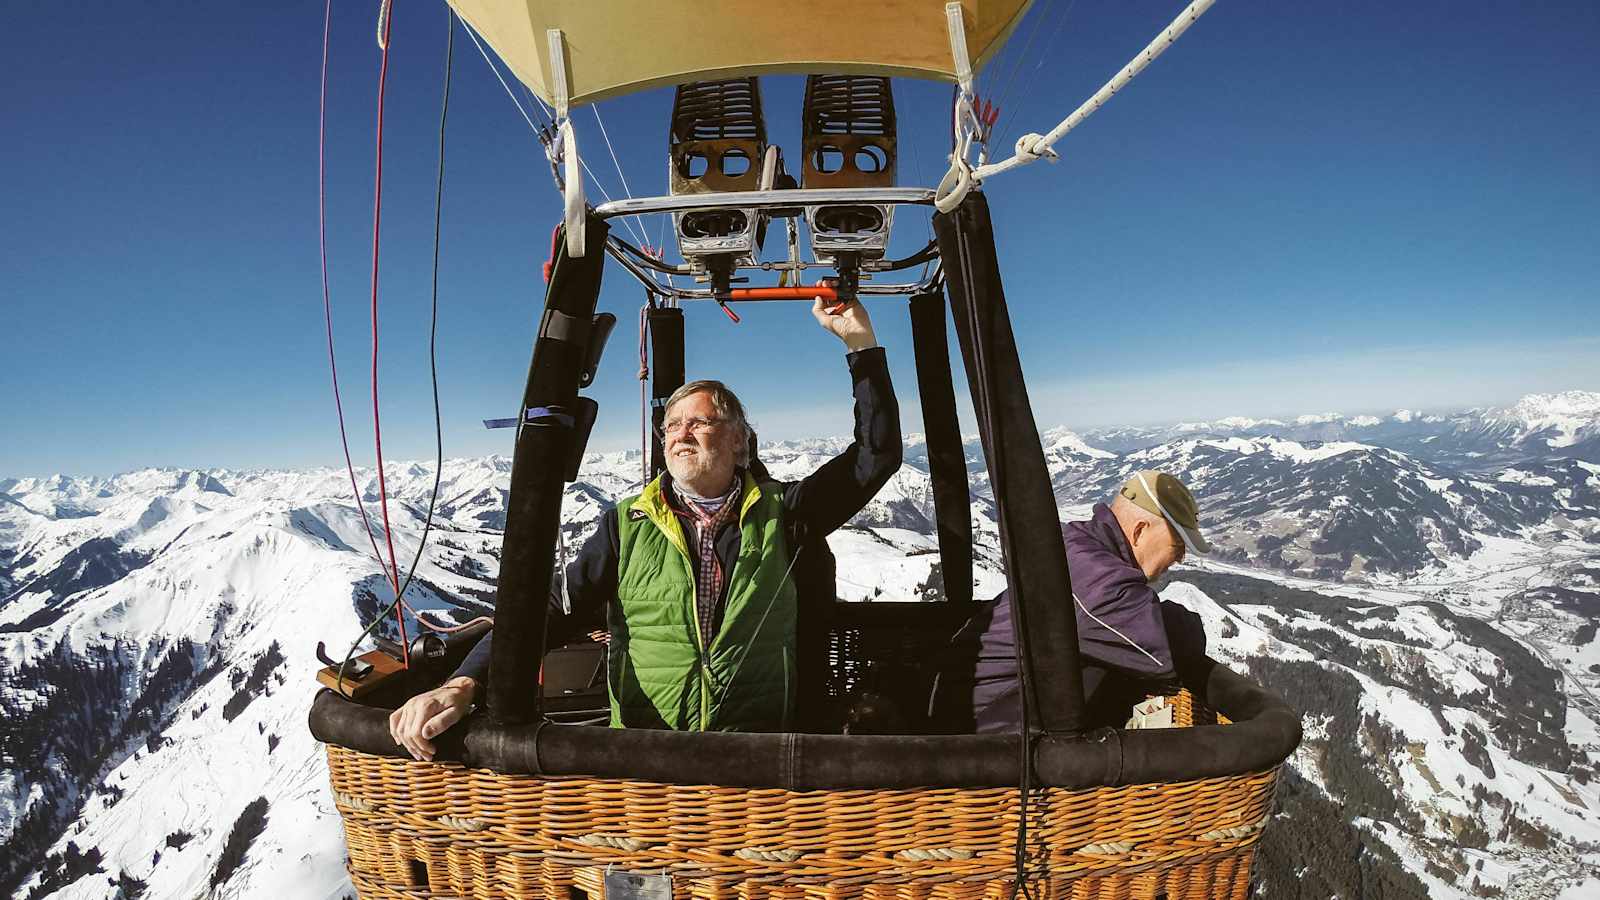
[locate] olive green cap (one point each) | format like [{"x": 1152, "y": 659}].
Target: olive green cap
[{"x": 1166, "y": 496}]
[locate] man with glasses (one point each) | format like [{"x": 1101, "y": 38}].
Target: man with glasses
[
  {"x": 1131, "y": 642},
  {"x": 694, "y": 577}
]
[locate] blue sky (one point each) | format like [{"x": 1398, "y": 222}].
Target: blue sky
[{"x": 1300, "y": 208}]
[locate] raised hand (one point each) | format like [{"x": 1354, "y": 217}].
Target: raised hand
[{"x": 850, "y": 323}]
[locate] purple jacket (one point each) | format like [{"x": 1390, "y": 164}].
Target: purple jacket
[{"x": 1123, "y": 628}]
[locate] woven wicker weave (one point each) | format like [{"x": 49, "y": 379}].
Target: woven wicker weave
[{"x": 433, "y": 830}]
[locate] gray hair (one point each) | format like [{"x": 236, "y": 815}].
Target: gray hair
[{"x": 728, "y": 408}]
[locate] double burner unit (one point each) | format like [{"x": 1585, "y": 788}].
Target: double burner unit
[{"x": 718, "y": 145}]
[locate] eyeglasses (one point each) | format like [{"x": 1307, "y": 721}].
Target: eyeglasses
[{"x": 696, "y": 425}]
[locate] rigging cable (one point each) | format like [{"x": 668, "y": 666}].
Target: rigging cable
[
  {"x": 998, "y": 135},
  {"x": 327, "y": 307},
  {"x": 434, "y": 370},
  {"x": 635, "y": 229},
  {"x": 645, "y": 444},
  {"x": 919, "y": 176},
  {"x": 541, "y": 132},
  {"x": 496, "y": 70},
  {"x": 327, "y": 302},
  {"x": 433, "y": 335},
  {"x": 1016, "y": 66},
  {"x": 386, "y": 22},
  {"x": 644, "y": 238},
  {"x": 661, "y": 246},
  {"x": 1031, "y": 147}
]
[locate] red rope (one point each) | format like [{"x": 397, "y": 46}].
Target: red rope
[
  {"x": 644, "y": 402},
  {"x": 377, "y": 430},
  {"x": 327, "y": 303}
]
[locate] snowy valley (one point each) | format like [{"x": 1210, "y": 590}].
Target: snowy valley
[{"x": 1424, "y": 588}]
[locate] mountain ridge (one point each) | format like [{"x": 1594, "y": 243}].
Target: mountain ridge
[{"x": 156, "y": 636}]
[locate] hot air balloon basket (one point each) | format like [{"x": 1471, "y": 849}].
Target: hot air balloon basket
[{"x": 436, "y": 830}]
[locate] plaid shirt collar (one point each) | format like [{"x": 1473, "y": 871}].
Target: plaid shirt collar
[{"x": 708, "y": 574}]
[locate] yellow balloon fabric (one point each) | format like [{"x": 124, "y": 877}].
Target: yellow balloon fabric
[{"x": 616, "y": 47}]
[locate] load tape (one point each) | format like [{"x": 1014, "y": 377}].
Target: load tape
[{"x": 536, "y": 415}]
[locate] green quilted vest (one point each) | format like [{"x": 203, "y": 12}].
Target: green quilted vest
[{"x": 663, "y": 673}]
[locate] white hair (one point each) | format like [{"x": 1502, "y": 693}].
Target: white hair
[{"x": 727, "y": 405}]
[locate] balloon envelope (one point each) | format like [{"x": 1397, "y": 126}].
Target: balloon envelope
[{"x": 617, "y": 47}]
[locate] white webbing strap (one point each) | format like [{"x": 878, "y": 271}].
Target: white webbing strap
[
  {"x": 575, "y": 205},
  {"x": 1036, "y": 146},
  {"x": 958, "y": 180},
  {"x": 958, "y": 45},
  {"x": 558, "y": 70}
]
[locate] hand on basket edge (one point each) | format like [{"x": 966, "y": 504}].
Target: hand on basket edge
[{"x": 426, "y": 716}]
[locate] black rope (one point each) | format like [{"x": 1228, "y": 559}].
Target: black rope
[
  {"x": 433, "y": 316},
  {"x": 433, "y": 365}
]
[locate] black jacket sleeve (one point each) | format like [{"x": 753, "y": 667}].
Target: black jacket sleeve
[
  {"x": 591, "y": 583},
  {"x": 828, "y": 497}
]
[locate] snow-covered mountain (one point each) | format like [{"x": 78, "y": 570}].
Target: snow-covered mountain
[
  {"x": 1539, "y": 426},
  {"x": 1450, "y": 742},
  {"x": 1567, "y": 419},
  {"x": 1341, "y": 509},
  {"x": 1433, "y": 613}
]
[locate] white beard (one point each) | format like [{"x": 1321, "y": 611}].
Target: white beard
[{"x": 692, "y": 468}]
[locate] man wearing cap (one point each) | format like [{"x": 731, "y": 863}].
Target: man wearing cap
[{"x": 1129, "y": 640}]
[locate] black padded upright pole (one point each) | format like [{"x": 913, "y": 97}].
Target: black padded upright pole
[
  {"x": 538, "y": 468},
  {"x": 666, "y": 374},
  {"x": 1030, "y": 533},
  {"x": 947, "y": 462}
]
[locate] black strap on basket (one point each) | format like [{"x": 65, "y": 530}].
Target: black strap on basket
[
  {"x": 1030, "y": 532},
  {"x": 947, "y": 461},
  {"x": 666, "y": 375},
  {"x": 539, "y": 467}
]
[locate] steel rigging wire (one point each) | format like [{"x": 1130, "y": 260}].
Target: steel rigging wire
[
  {"x": 390, "y": 571},
  {"x": 386, "y": 26},
  {"x": 541, "y": 132},
  {"x": 400, "y": 587},
  {"x": 1016, "y": 62},
  {"x": 637, "y": 230},
  {"x": 433, "y": 337},
  {"x": 1031, "y": 147},
  {"x": 327, "y": 304},
  {"x": 998, "y": 135},
  {"x": 621, "y": 176}
]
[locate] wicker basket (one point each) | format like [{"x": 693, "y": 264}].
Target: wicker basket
[
  {"x": 431, "y": 830},
  {"x": 555, "y": 811}
]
